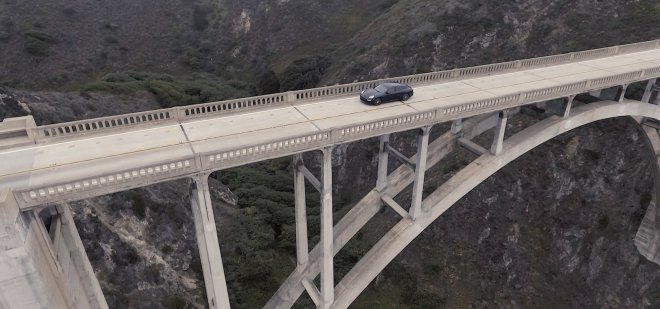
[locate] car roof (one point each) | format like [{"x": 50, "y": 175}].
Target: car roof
[{"x": 393, "y": 84}]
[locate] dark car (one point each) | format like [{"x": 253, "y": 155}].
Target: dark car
[{"x": 386, "y": 92}]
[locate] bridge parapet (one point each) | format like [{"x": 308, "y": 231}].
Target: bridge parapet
[
  {"x": 17, "y": 131},
  {"x": 104, "y": 124},
  {"x": 214, "y": 108}
]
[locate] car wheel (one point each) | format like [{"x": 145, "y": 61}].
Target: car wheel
[
  {"x": 405, "y": 97},
  {"x": 377, "y": 101}
]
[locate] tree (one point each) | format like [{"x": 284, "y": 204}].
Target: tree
[{"x": 304, "y": 73}]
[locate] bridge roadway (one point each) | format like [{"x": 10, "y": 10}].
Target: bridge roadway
[{"x": 53, "y": 169}]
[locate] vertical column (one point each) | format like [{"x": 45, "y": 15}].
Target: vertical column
[
  {"x": 457, "y": 126},
  {"x": 420, "y": 168},
  {"x": 498, "y": 140},
  {"x": 383, "y": 160},
  {"x": 73, "y": 246},
  {"x": 647, "y": 239},
  {"x": 646, "y": 98},
  {"x": 569, "y": 104},
  {"x": 327, "y": 250},
  {"x": 207, "y": 240},
  {"x": 302, "y": 248},
  {"x": 621, "y": 93}
]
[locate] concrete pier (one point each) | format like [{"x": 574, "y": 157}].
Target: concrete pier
[
  {"x": 207, "y": 240},
  {"x": 40, "y": 268},
  {"x": 647, "y": 239}
]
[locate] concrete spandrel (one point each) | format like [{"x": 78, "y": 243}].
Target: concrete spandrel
[
  {"x": 441, "y": 102},
  {"x": 502, "y": 80},
  {"x": 242, "y": 123},
  {"x": 561, "y": 70},
  {"x": 339, "y": 107},
  {"x": 256, "y": 137},
  {"x": 358, "y": 118},
  {"x": 513, "y": 89}
]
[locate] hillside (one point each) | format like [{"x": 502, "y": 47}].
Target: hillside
[{"x": 75, "y": 42}]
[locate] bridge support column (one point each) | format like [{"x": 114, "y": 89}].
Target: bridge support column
[
  {"x": 621, "y": 93},
  {"x": 325, "y": 297},
  {"x": 420, "y": 168},
  {"x": 457, "y": 126},
  {"x": 302, "y": 247},
  {"x": 568, "y": 106},
  {"x": 207, "y": 240},
  {"x": 647, "y": 239},
  {"x": 73, "y": 259},
  {"x": 327, "y": 237},
  {"x": 383, "y": 160},
  {"x": 650, "y": 88},
  {"x": 41, "y": 268},
  {"x": 498, "y": 140}
]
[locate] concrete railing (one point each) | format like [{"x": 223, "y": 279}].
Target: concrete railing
[
  {"x": 184, "y": 113},
  {"x": 105, "y": 123},
  {"x": 17, "y": 131},
  {"x": 213, "y": 108}
]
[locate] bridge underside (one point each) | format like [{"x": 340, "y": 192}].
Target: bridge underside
[
  {"x": 44, "y": 268},
  {"x": 411, "y": 224}
]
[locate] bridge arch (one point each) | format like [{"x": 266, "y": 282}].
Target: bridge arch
[{"x": 445, "y": 196}]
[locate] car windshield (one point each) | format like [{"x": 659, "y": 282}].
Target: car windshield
[{"x": 381, "y": 88}]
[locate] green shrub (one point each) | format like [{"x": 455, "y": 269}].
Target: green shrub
[
  {"x": 38, "y": 43},
  {"x": 110, "y": 40},
  {"x": 168, "y": 94},
  {"x": 132, "y": 256},
  {"x": 138, "y": 204},
  {"x": 200, "y": 18},
  {"x": 171, "y": 91},
  {"x": 603, "y": 221},
  {"x": 268, "y": 83},
  {"x": 115, "y": 88},
  {"x": 40, "y": 36},
  {"x": 592, "y": 154},
  {"x": 304, "y": 73},
  {"x": 175, "y": 302}
]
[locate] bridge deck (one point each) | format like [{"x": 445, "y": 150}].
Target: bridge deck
[{"x": 81, "y": 157}]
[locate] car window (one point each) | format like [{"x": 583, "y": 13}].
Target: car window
[{"x": 381, "y": 88}]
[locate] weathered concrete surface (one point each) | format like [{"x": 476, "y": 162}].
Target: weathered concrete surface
[
  {"x": 36, "y": 273},
  {"x": 647, "y": 239}
]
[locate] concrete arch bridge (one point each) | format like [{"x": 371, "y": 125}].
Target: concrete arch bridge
[{"x": 54, "y": 164}]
